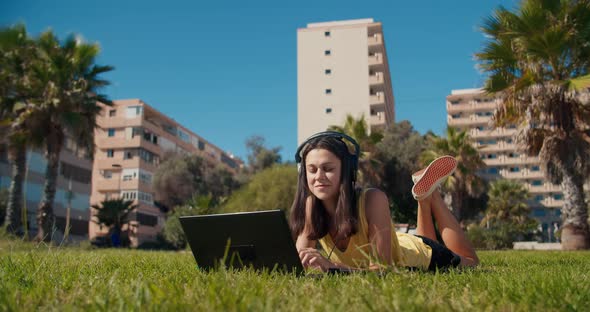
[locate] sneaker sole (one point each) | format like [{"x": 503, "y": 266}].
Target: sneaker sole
[{"x": 437, "y": 171}]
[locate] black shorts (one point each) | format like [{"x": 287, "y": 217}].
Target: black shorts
[{"x": 442, "y": 257}]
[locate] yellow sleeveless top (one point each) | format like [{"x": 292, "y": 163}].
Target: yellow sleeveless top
[{"x": 407, "y": 250}]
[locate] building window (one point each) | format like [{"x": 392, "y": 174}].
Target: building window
[
  {"x": 75, "y": 173},
  {"x": 111, "y": 132},
  {"x": 328, "y": 52},
  {"x": 514, "y": 169},
  {"x": 493, "y": 170},
  {"x": 134, "y": 111},
  {"x": 327, "y": 34},
  {"x": 539, "y": 198},
  {"x": 328, "y": 110},
  {"x": 535, "y": 168},
  {"x": 146, "y": 219},
  {"x": 455, "y": 102},
  {"x": 110, "y": 153},
  {"x": 228, "y": 161},
  {"x": 537, "y": 183},
  {"x": 328, "y": 71},
  {"x": 145, "y": 177},
  {"x": 328, "y": 91},
  {"x": 112, "y": 113},
  {"x": 539, "y": 212},
  {"x": 558, "y": 196}
]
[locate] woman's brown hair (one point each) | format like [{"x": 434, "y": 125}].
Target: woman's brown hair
[{"x": 346, "y": 215}]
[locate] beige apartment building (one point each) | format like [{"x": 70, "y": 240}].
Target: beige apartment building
[
  {"x": 472, "y": 109},
  {"x": 342, "y": 69},
  {"x": 130, "y": 141}
]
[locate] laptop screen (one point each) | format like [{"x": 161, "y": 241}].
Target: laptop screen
[{"x": 260, "y": 239}]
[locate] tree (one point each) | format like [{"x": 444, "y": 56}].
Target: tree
[
  {"x": 464, "y": 181},
  {"x": 20, "y": 89},
  {"x": 358, "y": 129},
  {"x": 178, "y": 178},
  {"x": 69, "y": 107},
  {"x": 399, "y": 153},
  {"x": 507, "y": 204},
  {"x": 260, "y": 157},
  {"x": 272, "y": 188},
  {"x": 113, "y": 213},
  {"x": 181, "y": 177},
  {"x": 537, "y": 59}
]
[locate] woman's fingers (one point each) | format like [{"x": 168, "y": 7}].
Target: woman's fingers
[{"x": 312, "y": 258}]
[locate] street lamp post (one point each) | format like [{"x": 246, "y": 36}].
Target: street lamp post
[{"x": 120, "y": 169}]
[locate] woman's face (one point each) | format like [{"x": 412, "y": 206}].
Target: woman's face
[{"x": 323, "y": 170}]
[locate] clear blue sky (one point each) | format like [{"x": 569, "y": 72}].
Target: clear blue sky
[{"x": 227, "y": 69}]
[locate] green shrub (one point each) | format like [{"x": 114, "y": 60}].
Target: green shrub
[
  {"x": 272, "y": 188},
  {"x": 500, "y": 236}
]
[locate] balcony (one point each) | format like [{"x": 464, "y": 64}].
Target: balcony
[
  {"x": 513, "y": 175},
  {"x": 499, "y": 132},
  {"x": 494, "y": 161},
  {"x": 545, "y": 188},
  {"x": 468, "y": 120},
  {"x": 377, "y": 98},
  {"x": 118, "y": 122},
  {"x": 456, "y": 108},
  {"x": 377, "y": 119},
  {"x": 376, "y": 59},
  {"x": 376, "y": 79},
  {"x": 534, "y": 175},
  {"x": 553, "y": 203},
  {"x": 104, "y": 185},
  {"x": 117, "y": 143},
  {"x": 471, "y": 106},
  {"x": 376, "y": 39}
]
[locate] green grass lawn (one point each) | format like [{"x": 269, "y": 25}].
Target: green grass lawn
[{"x": 51, "y": 278}]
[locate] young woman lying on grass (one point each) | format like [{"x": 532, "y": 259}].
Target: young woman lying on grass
[{"x": 354, "y": 226}]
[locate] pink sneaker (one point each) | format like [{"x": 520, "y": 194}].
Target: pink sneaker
[{"x": 432, "y": 176}]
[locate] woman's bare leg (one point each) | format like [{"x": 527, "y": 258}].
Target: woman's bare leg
[
  {"x": 450, "y": 230},
  {"x": 424, "y": 224}
]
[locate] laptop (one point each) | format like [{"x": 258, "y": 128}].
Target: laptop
[{"x": 261, "y": 240}]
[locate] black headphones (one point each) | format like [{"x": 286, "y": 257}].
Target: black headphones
[{"x": 333, "y": 134}]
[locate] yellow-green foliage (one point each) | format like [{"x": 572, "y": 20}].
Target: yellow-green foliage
[{"x": 272, "y": 188}]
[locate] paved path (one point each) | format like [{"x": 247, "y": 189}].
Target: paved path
[{"x": 537, "y": 246}]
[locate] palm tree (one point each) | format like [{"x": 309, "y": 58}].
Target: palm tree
[
  {"x": 70, "y": 107},
  {"x": 464, "y": 181},
  {"x": 507, "y": 203},
  {"x": 537, "y": 59},
  {"x": 358, "y": 129},
  {"x": 19, "y": 91},
  {"x": 113, "y": 213}
]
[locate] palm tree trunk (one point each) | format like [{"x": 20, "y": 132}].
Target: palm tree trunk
[
  {"x": 45, "y": 217},
  {"x": 575, "y": 233},
  {"x": 17, "y": 154},
  {"x": 457, "y": 203}
]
